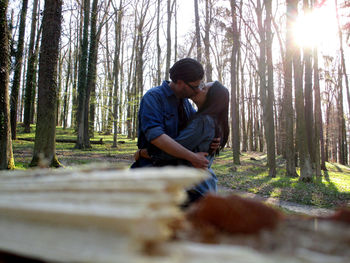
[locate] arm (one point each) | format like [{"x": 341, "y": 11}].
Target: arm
[
  {"x": 199, "y": 131},
  {"x": 152, "y": 125},
  {"x": 168, "y": 145}
]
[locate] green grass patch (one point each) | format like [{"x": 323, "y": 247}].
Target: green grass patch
[{"x": 332, "y": 190}]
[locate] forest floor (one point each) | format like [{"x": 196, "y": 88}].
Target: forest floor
[{"x": 249, "y": 179}]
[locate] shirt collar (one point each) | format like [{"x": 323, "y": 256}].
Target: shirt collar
[{"x": 167, "y": 90}]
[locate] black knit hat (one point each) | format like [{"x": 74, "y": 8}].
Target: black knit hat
[{"x": 186, "y": 69}]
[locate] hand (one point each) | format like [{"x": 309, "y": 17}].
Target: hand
[
  {"x": 137, "y": 155},
  {"x": 199, "y": 160},
  {"x": 215, "y": 144}
]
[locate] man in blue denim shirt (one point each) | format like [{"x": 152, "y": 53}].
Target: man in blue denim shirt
[{"x": 159, "y": 112}]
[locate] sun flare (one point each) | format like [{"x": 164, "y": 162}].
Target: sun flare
[{"x": 315, "y": 29}]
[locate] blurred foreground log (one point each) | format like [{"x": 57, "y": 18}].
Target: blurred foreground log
[{"x": 107, "y": 215}]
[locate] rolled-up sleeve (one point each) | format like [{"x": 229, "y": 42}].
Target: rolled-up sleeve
[{"x": 151, "y": 115}]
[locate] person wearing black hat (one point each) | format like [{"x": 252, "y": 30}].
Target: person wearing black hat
[
  {"x": 209, "y": 122},
  {"x": 165, "y": 110}
]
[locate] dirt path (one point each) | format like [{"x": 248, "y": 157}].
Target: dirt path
[{"x": 294, "y": 207}]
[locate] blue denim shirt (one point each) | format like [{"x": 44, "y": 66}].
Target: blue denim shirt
[
  {"x": 196, "y": 137},
  {"x": 158, "y": 115}
]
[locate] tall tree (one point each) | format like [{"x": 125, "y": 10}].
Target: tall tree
[
  {"x": 6, "y": 154},
  {"x": 30, "y": 70},
  {"x": 302, "y": 146},
  {"x": 116, "y": 101},
  {"x": 159, "y": 52},
  {"x": 208, "y": 21},
  {"x": 82, "y": 86},
  {"x": 89, "y": 106},
  {"x": 18, "y": 69},
  {"x": 309, "y": 120},
  {"x": 317, "y": 115},
  {"x": 343, "y": 64},
  {"x": 198, "y": 32},
  {"x": 289, "y": 115},
  {"x": 234, "y": 85},
  {"x": 45, "y": 135},
  {"x": 266, "y": 86},
  {"x": 168, "y": 40}
]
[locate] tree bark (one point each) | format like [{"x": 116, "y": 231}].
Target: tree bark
[
  {"x": 6, "y": 154},
  {"x": 317, "y": 116},
  {"x": 343, "y": 65},
  {"x": 309, "y": 120},
  {"x": 45, "y": 135},
  {"x": 289, "y": 116},
  {"x": 168, "y": 41},
  {"x": 198, "y": 31},
  {"x": 234, "y": 85},
  {"x": 18, "y": 69},
  {"x": 89, "y": 110},
  {"x": 116, "y": 101},
  {"x": 30, "y": 70},
  {"x": 82, "y": 84}
]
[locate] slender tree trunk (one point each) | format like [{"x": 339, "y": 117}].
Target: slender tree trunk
[
  {"x": 234, "y": 85},
  {"x": 289, "y": 116},
  {"x": 198, "y": 32},
  {"x": 45, "y": 135},
  {"x": 18, "y": 70},
  {"x": 82, "y": 85},
  {"x": 343, "y": 64},
  {"x": 168, "y": 41},
  {"x": 318, "y": 115},
  {"x": 159, "y": 52},
  {"x": 89, "y": 110},
  {"x": 340, "y": 119},
  {"x": 250, "y": 114},
  {"x": 118, "y": 29},
  {"x": 6, "y": 154},
  {"x": 309, "y": 120},
  {"x": 244, "y": 128},
  {"x": 30, "y": 70},
  {"x": 59, "y": 88},
  {"x": 68, "y": 76},
  {"x": 208, "y": 20},
  {"x": 175, "y": 40}
]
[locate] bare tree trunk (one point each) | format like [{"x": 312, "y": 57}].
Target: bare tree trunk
[
  {"x": 59, "y": 88},
  {"x": 168, "y": 41},
  {"x": 289, "y": 116},
  {"x": 89, "y": 118},
  {"x": 340, "y": 34},
  {"x": 6, "y": 154},
  {"x": 175, "y": 41},
  {"x": 30, "y": 70},
  {"x": 118, "y": 28},
  {"x": 244, "y": 130},
  {"x": 45, "y": 135},
  {"x": 159, "y": 52},
  {"x": 250, "y": 114},
  {"x": 317, "y": 116},
  {"x": 35, "y": 72},
  {"x": 234, "y": 85},
  {"x": 198, "y": 32},
  {"x": 18, "y": 70},
  {"x": 341, "y": 121},
  {"x": 82, "y": 85},
  {"x": 208, "y": 21},
  {"x": 309, "y": 120}
]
